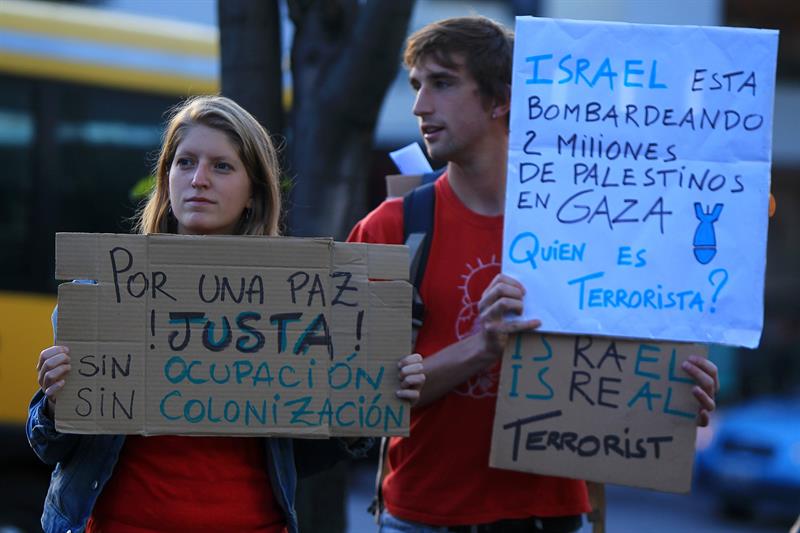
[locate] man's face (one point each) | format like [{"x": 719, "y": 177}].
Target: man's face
[{"x": 453, "y": 117}]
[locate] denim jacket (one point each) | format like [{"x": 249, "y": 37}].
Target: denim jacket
[{"x": 83, "y": 464}]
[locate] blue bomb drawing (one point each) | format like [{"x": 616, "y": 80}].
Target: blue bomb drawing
[{"x": 705, "y": 241}]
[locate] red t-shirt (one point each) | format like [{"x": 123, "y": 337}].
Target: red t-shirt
[
  {"x": 172, "y": 483},
  {"x": 440, "y": 474}
]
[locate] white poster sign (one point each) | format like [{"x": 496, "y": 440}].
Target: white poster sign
[{"x": 638, "y": 178}]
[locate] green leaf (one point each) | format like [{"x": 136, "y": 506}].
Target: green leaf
[{"x": 142, "y": 188}]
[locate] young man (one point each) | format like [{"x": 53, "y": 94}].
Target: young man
[{"x": 439, "y": 476}]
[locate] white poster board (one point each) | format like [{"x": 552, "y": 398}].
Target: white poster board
[{"x": 638, "y": 178}]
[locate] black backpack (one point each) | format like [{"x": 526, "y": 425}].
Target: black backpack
[{"x": 419, "y": 206}]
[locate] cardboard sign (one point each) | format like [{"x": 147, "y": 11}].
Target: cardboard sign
[
  {"x": 597, "y": 409},
  {"x": 232, "y": 335},
  {"x": 638, "y": 178}
]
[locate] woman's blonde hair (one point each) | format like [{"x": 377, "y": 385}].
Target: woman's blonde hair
[{"x": 255, "y": 149}]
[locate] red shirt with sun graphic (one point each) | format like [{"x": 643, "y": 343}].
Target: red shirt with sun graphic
[{"x": 440, "y": 475}]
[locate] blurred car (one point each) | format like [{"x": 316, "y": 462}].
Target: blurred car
[{"x": 749, "y": 457}]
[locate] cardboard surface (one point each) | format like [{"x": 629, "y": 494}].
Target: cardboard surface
[
  {"x": 400, "y": 184},
  {"x": 232, "y": 335},
  {"x": 638, "y": 178},
  {"x": 597, "y": 409}
]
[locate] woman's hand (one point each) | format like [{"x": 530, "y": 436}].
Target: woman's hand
[
  {"x": 53, "y": 367},
  {"x": 412, "y": 378}
]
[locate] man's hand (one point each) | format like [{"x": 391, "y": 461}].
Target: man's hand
[
  {"x": 500, "y": 302},
  {"x": 704, "y": 374}
]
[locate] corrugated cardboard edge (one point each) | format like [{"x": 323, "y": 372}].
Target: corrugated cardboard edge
[
  {"x": 387, "y": 286},
  {"x": 76, "y": 255}
]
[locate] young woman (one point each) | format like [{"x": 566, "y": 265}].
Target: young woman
[{"x": 217, "y": 173}]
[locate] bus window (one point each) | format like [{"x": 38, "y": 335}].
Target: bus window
[{"x": 16, "y": 153}]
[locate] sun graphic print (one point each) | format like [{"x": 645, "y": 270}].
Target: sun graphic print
[{"x": 476, "y": 278}]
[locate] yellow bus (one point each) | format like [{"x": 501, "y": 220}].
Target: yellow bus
[{"x": 82, "y": 98}]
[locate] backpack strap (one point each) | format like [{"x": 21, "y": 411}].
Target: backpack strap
[{"x": 418, "y": 209}]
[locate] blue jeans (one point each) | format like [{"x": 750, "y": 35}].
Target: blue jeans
[{"x": 393, "y": 524}]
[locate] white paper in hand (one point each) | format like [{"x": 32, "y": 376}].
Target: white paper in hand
[{"x": 411, "y": 160}]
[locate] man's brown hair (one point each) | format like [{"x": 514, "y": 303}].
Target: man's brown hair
[{"x": 486, "y": 46}]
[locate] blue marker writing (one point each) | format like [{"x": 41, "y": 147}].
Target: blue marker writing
[
  {"x": 705, "y": 241},
  {"x": 525, "y": 248}
]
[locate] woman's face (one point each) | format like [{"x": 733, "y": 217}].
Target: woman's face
[{"x": 208, "y": 186}]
